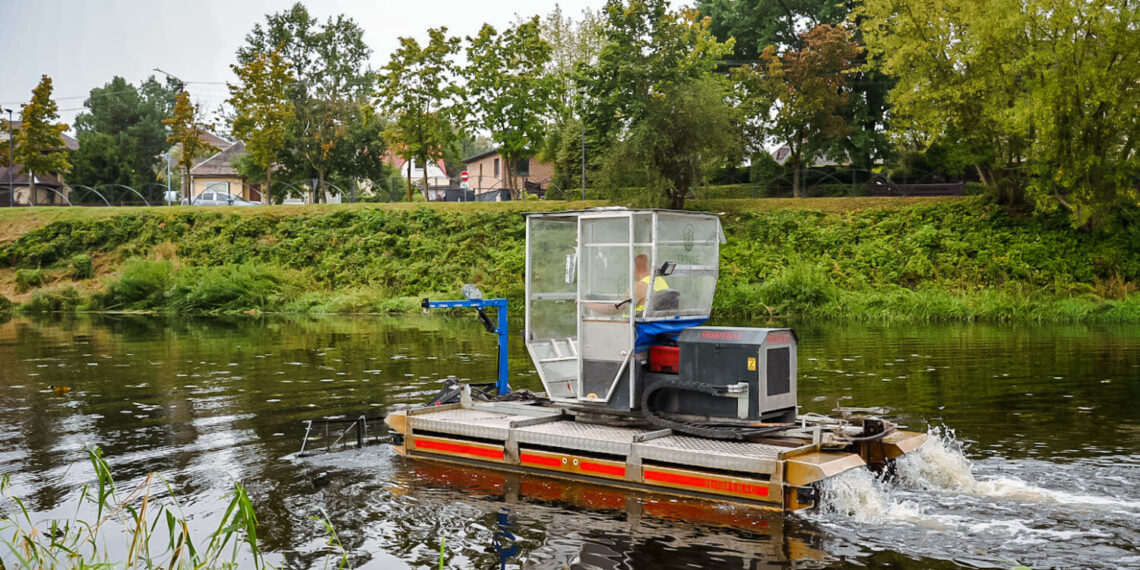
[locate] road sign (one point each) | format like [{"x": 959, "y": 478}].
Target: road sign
[{"x": 464, "y": 176}]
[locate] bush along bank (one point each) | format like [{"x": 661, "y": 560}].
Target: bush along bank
[{"x": 941, "y": 260}]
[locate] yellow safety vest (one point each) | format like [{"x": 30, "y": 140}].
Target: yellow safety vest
[{"x": 658, "y": 285}]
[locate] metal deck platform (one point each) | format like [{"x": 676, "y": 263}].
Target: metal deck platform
[{"x": 549, "y": 441}]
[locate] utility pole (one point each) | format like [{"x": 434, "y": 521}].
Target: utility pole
[
  {"x": 583, "y": 118},
  {"x": 11, "y": 167},
  {"x": 181, "y": 175}
]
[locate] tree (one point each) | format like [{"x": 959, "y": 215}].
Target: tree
[
  {"x": 575, "y": 44},
  {"x": 39, "y": 142},
  {"x": 186, "y": 129},
  {"x": 132, "y": 118},
  {"x": 757, "y": 24},
  {"x": 950, "y": 89},
  {"x": 650, "y": 53},
  {"x": 264, "y": 113},
  {"x": 330, "y": 63},
  {"x": 418, "y": 91},
  {"x": 796, "y": 97},
  {"x": 701, "y": 136},
  {"x": 508, "y": 90},
  {"x": 1041, "y": 94}
]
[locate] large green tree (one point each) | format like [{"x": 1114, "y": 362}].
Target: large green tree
[
  {"x": 130, "y": 118},
  {"x": 187, "y": 129},
  {"x": 508, "y": 90},
  {"x": 39, "y": 142},
  {"x": 330, "y": 63},
  {"x": 757, "y": 24},
  {"x": 796, "y": 97},
  {"x": 419, "y": 92},
  {"x": 1041, "y": 94},
  {"x": 651, "y": 53},
  {"x": 575, "y": 43},
  {"x": 263, "y": 110}
]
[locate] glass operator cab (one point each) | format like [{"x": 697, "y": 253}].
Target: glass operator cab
[{"x": 603, "y": 286}]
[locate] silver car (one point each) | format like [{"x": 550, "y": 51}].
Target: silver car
[{"x": 220, "y": 199}]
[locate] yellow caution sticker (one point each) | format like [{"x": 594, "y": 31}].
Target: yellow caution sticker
[{"x": 752, "y": 363}]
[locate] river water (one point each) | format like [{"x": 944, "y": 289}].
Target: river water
[{"x": 1035, "y": 458}]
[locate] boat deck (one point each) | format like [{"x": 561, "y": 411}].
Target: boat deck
[{"x": 549, "y": 441}]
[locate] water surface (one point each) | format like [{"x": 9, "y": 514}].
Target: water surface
[{"x": 1037, "y": 460}]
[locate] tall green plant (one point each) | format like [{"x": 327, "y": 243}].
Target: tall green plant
[
  {"x": 508, "y": 90},
  {"x": 264, "y": 113},
  {"x": 39, "y": 142},
  {"x": 418, "y": 91}
]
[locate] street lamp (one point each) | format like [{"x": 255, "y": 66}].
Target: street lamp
[{"x": 181, "y": 84}]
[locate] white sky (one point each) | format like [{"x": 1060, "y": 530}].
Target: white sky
[{"x": 82, "y": 44}]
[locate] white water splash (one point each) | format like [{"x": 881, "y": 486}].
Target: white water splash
[
  {"x": 941, "y": 465},
  {"x": 858, "y": 494}
]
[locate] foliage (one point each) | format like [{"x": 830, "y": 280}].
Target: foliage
[
  {"x": 82, "y": 266},
  {"x": 263, "y": 112},
  {"x": 850, "y": 258},
  {"x": 29, "y": 279},
  {"x": 121, "y": 135},
  {"x": 757, "y": 24},
  {"x": 186, "y": 130},
  {"x": 39, "y": 142},
  {"x": 1041, "y": 95},
  {"x": 55, "y": 299},
  {"x": 5, "y": 305},
  {"x": 650, "y": 54},
  {"x": 136, "y": 518},
  {"x": 508, "y": 91},
  {"x": 663, "y": 169},
  {"x": 333, "y": 82},
  {"x": 418, "y": 92},
  {"x": 796, "y": 97}
]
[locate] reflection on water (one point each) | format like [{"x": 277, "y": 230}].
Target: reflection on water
[{"x": 1041, "y": 468}]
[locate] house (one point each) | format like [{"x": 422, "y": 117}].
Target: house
[
  {"x": 487, "y": 174},
  {"x": 46, "y": 190},
  {"x": 436, "y": 171},
  {"x": 782, "y": 154},
  {"x": 218, "y": 174}
]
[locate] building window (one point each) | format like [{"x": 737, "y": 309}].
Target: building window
[
  {"x": 523, "y": 167},
  {"x": 496, "y": 167}
]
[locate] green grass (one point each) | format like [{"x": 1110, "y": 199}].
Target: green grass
[{"x": 921, "y": 259}]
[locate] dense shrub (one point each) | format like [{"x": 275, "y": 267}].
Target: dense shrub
[
  {"x": 27, "y": 279},
  {"x": 959, "y": 259},
  {"x": 81, "y": 266}
]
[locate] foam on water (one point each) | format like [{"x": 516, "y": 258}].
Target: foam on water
[{"x": 941, "y": 465}]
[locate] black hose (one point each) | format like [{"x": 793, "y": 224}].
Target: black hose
[{"x": 721, "y": 432}]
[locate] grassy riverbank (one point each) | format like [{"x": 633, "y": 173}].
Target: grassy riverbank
[{"x": 845, "y": 258}]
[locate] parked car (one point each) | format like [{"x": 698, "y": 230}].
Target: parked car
[{"x": 221, "y": 199}]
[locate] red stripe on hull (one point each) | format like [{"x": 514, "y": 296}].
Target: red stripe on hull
[
  {"x": 458, "y": 448},
  {"x": 707, "y": 484}
]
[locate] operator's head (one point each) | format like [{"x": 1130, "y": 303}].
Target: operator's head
[{"x": 641, "y": 265}]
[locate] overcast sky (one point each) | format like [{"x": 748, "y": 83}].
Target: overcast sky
[{"x": 82, "y": 44}]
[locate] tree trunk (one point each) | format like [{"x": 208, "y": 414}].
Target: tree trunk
[
  {"x": 186, "y": 185},
  {"x": 409, "y": 162},
  {"x": 796, "y": 192},
  {"x": 267, "y": 196},
  {"x": 321, "y": 197},
  {"x": 426, "y": 159}
]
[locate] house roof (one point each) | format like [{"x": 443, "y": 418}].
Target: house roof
[
  {"x": 69, "y": 142},
  {"x": 214, "y": 140},
  {"x": 398, "y": 162},
  {"x": 21, "y": 179},
  {"x": 221, "y": 164},
  {"x": 480, "y": 155}
]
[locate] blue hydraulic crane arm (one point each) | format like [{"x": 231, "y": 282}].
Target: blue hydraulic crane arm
[{"x": 500, "y": 329}]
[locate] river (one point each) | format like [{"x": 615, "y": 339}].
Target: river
[{"x": 1035, "y": 459}]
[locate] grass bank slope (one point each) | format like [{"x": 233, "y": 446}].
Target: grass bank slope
[{"x": 845, "y": 258}]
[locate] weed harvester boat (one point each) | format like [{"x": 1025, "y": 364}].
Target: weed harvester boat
[{"x": 637, "y": 393}]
